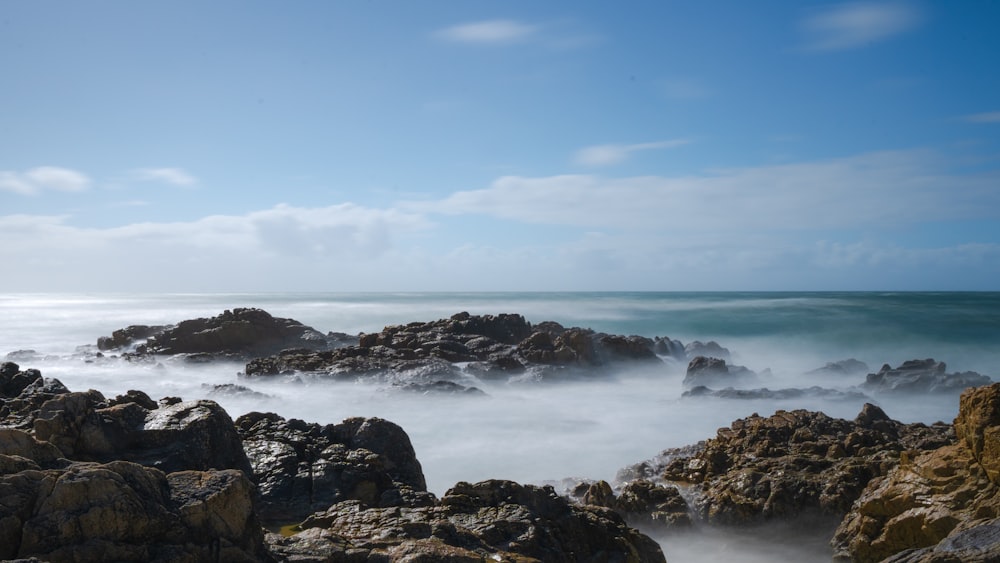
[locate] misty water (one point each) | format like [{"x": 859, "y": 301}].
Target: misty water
[{"x": 547, "y": 432}]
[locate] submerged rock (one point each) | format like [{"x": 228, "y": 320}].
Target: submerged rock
[
  {"x": 841, "y": 368},
  {"x": 703, "y": 371},
  {"x": 921, "y": 376},
  {"x": 776, "y": 394}
]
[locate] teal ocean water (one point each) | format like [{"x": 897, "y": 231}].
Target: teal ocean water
[{"x": 533, "y": 432}]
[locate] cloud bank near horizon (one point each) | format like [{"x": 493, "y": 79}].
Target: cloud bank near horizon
[{"x": 812, "y": 225}]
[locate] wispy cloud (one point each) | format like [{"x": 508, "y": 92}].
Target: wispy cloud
[
  {"x": 172, "y": 176},
  {"x": 901, "y": 187},
  {"x": 606, "y": 155},
  {"x": 43, "y": 178},
  {"x": 988, "y": 117},
  {"x": 488, "y": 32},
  {"x": 849, "y": 26}
]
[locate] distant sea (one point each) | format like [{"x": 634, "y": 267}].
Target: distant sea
[{"x": 533, "y": 432}]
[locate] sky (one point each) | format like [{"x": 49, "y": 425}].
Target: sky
[{"x": 378, "y": 145}]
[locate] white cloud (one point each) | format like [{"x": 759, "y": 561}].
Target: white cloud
[
  {"x": 988, "y": 117},
  {"x": 900, "y": 187},
  {"x": 853, "y": 25},
  {"x": 172, "y": 176},
  {"x": 606, "y": 155},
  {"x": 43, "y": 178},
  {"x": 488, "y": 32}
]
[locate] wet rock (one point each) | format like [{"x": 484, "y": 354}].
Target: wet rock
[
  {"x": 491, "y": 520},
  {"x": 128, "y": 337},
  {"x": 664, "y": 346},
  {"x": 643, "y": 504},
  {"x": 715, "y": 372},
  {"x": 921, "y": 376},
  {"x": 303, "y": 467},
  {"x": 439, "y": 387},
  {"x": 233, "y": 390},
  {"x": 936, "y": 505}
]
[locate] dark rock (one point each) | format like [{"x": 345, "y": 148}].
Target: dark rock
[
  {"x": 301, "y": 467},
  {"x": 23, "y": 356},
  {"x": 664, "y": 346},
  {"x": 490, "y": 520},
  {"x": 438, "y": 387},
  {"x": 124, "y": 338},
  {"x": 642, "y": 503},
  {"x": 233, "y": 390},
  {"x": 714, "y": 372},
  {"x": 921, "y": 376}
]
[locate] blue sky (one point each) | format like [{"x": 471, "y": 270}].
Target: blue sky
[{"x": 407, "y": 146}]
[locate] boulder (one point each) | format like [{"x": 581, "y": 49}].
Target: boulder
[
  {"x": 304, "y": 467},
  {"x": 935, "y": 505},
  {"x": 710, "y": 349},
  {"x": 921, "y": 376},
  {"x": 841, "y": 368},
  {"x": 642, "y": 503}
]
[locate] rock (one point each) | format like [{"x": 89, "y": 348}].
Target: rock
[
  {"x": 775, "y": 394},
  {"x": 794, "y": 464},
  {"x": 490, "y": 520},
  {"x": 301, "y": 467},
  {"x": 939, "y": 504},
  {"x": 921, "y": 376},
  {"x": 714, "y": 372},
  {"x": 197, "y": 435},
  {"x": 493, "y": 347},
  {"x": 23, "y": 356},
  {"x": 664, "y": 346},
  {"x": 643, "y": 504},
  {"x": 710, "y": 349},
  {"x": 233, "y": 390},
  {"x": 841, "y": 368},
  {"x": 241, "y": 333},
  {"x": 438, "y": 387},
  {"x": 123, "y": 511}
]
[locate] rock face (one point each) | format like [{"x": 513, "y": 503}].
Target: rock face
[
  {"x": 237, "y": 334},
  {"x": 642, "y": 503},
  {"x": 794, "y": 463},
  {"x": 494, "y": 346},
  {"x": 939, "y": 505},
  {"x": 921, "y": 376},
  {"x": 301, "y": 467},
  {"x": 490, "y": 520}
]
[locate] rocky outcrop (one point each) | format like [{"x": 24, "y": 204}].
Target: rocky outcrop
[
  {"x": 303, "y": 467},
  {"x": 841, "y": 368},
  {"x": 794, "y": 463},
  {"x": 22, "y": 394},
  {"x": 493, "y": 347},
  {"x": 641, "y": 502},
  {"x": 240, "y": 334},
  {"x": 939, "y": 505},
  {"x": 486, "y": 521},
  {"x": 703, "y": 371},
  {"x": 921, "y": 376},
  {"x": 710, "y": 349}
]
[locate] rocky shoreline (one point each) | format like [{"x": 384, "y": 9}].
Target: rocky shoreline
[{"x": 129, "y": 478}]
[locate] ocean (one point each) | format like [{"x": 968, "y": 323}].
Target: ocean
[{"x": 543, "y": 432}]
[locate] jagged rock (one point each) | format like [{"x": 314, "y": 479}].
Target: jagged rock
[
  {"x": 438, "y": 387},
  {"x": 304, "y": 467},
  {"x": 490, "y": 520},
  {"x": 196, "y": 435},
  {"x": 23, "y": 392},
  {"x": 122, "y": 511},
  {"x": 241, "y": 333},
  {"x": 794, "y": 463},
  {"x": 233, "y": 390},
  {"x": 642, "y": 503},
  {"x": 494, "y": 346},
  {"x": 937, "y": 505},
  {"x": 715, "y": 372},
  {"x": 664, "y": 346},
  {"x": 921, "y": 376}
]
